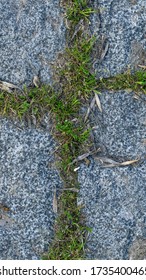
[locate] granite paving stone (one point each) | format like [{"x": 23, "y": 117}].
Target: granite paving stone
[
  {"x": 32, "y": 33},
  {"x": 27, "y": 184},
  {"x": 122, "y": 26},
  {"x": 114, "y": 198}
]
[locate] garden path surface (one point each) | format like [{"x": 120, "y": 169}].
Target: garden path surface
[{"x": 114, "y": 198}]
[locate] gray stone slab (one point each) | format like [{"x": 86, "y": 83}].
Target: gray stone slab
[
  {"x": 32, "y": 33},
  {"x": 28, "y": 180},
  {"x": 114, "y": 198},
  {"x": 122, "y": 25}
]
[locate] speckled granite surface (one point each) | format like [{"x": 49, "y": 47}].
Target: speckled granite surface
[
  {"x": 122, "y": 26},
  {"x": 31, "y": 35},
  {"x": 27, "y": 184},
  {"x": 114, "y": 198}
]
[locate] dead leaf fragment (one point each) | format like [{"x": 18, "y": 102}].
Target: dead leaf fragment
[
  {"x": 104, "y": 51},
  {"x": 89, "y": 109},
  {"x": 129, "y": 162},
  {"x": 36, "y": 81},
  {"x": 83, "y": 156},
  {"x": 136, "y": 97},
  {"x": 78, "y": 27},
  {"x": 67, "y": 23},
  {"x": 142, "y": 66},
  {"x": 98, "y": 102},
  {"x": 107, "y": 160},
  {"x": 76, "y": 169},
  {"x": 112, "y": 163},
  {"x": 79, "y": 158},
  {"x": 7, "y": 86}
]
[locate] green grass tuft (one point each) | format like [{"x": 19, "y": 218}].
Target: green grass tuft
[
  {"x": 70, "y": 231},
  {"x": 136, "y": 82},
  {"x": 76, "y": 74},
  {"x": 34, "y": 102},
  {"x": 77, "y": 10}
]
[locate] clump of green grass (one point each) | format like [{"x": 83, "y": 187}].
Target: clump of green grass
[
  {"x": 33, "y": 102},
  {"x": 77, "y": 10},
  {"x": 76, "y": 74},
  {"x": 70, "y": 231},
  {"x": 77, "y": 83},
  {"x": 135, "y": 82}
]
